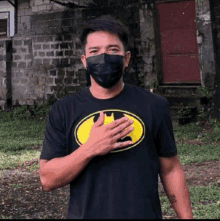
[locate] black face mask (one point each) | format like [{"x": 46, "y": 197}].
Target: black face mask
[{"x": 105, "y": 69}]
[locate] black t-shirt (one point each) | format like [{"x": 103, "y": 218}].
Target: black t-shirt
[{"x": 123, "y": 183}]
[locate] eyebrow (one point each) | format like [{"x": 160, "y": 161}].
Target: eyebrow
[{"x": 107, "y": 46}]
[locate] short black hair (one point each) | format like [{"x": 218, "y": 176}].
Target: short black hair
[{"x": 109, "y": 24}]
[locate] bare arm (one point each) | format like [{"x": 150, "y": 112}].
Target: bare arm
[
  {"x": 59, "y": 172},
  {"x": 174, "y": 182}
]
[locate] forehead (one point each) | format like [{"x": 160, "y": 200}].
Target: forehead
[{"x": 102, "y": 38}]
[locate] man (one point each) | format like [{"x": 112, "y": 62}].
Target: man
[{"x": 111, "y": 140}]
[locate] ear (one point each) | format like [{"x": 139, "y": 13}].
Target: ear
[
  {"x": 127, "y": 58},
  {"x": 83, "y": 60}
]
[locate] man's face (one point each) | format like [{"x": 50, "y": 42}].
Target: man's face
[{"x": 100, "y": 42}]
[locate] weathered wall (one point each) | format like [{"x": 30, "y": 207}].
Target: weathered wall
[
  {"x": 148, "y": 42},
  {"x": 45, "y": 52},
  {"x": 205, "y": 43},
  {"x": 215, "y": 9},
  {"x": 150, "y": 46},
  {"x": 47, "y": 49},
  {"x": 2, "y": 73}
]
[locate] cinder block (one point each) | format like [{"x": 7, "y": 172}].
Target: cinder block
[
  {"x": 22, "y": 65},
  {"x": 59, "y": 53},
  {"x": 37, "y": 47},
  {"x": 48, "y": 38},
  {"x": 46, "y": 46},
  {"x": 28, "y": 56},
  {"x": 38, "y": 61},
  {"x": 49, "y": 7},
  {"x": 24, "y": 5},
  {"x": 41, "y": 54},
  {"x": 58, "y": 80},
  {"x": 25, "y": 19},
  {"x": 2, "y": 58},
  {"x": 35, "y": 9},
  {"x": 53, "y": 73},
  {"x": 21, "y": 12},
  {"x": 23, "y": 50},
  {"x": 49, "y": 80},
  {"x": 32, "y": 3},
  {"x": 29, "y": 64},
  {"x": 64, "y": 46},
  {"x": 61, "y": 72},
  {"x": 46, "y": 2},
  {"x": 50, "y": 53},
  {"x": 42, "y": 7},
  {"x": 38, "y": 2},
  {"x": 14, "y": 64},
  {"x": 39, "y": 31},
  {"x": 69, "y": 73},
  {"x": 68, "y": 52},
  {"x": 28, "y": 12},
  {"x": 55, "y": 61},
  {"x": 17, "y": 43},
  {"x": 46, "y": 61},
  {"x": 40, "y": 39},
  {"x": 27, "y": 42}
]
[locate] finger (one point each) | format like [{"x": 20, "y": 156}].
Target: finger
[
  {"x": 116, "y": 123},
  {"x": 123, "y": 133},
  {"x": 122, "y": 144},
  {"x": 121, "y": 127},
  {"x": 100, "y": 120}
]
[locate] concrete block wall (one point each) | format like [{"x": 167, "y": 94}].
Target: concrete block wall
[
  {"x": 148, "y": 44},
  {"x": 2, "y": 73},
  {"x": 205, "y": 43},
  {"x": 46, "y": 50},
  {"x": 46, "y": 54}
]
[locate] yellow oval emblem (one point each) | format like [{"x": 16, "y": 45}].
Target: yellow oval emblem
[{"x": 82, "y": 130}]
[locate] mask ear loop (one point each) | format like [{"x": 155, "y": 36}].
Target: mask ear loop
[{"x": 88, "y": 79}]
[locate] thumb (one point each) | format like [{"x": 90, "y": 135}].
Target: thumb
[{"x": 100, "y": 120}]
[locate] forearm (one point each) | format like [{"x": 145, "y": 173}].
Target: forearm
[
  {"x": 177, "y": 192},
  {"x": 59, "y": 172}
]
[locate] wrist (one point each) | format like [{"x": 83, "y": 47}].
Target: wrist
[{"x": 86, "y": 150}]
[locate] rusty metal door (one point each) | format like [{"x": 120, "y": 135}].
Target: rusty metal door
[{"x": 178, "y": 45}]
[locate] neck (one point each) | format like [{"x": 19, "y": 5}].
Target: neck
[{"x": 105, "y": 93}]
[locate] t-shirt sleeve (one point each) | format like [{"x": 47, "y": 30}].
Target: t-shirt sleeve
[
  {"x": 54, "y": 142},
  {"x": 165, "y": 142}
]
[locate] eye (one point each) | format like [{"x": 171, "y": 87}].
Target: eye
[
  {"x": 93, "y": 52},
  {"x": 114, "y": 50}
]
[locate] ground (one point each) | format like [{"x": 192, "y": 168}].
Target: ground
[{"x": 21, "y": 195}]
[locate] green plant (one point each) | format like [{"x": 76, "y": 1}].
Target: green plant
[
  {"x": 16, "y": 186},
  {"x": 183, "y": 111},
  {"x": 207, "y": 94},
  {"x": 153, "y": 83},
  {"x": 205, "y": 91}
]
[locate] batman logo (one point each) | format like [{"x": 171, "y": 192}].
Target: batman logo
[{"x": 82, "y": 130}]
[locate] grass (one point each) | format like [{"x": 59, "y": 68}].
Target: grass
[
  {"x": 205, "y": 201},
  {"x": 189, "y": 153},
  {"x": 18, "y": 132},
  {"x": 12, "y": 159}
]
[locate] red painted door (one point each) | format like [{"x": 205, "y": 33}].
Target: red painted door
[{"x": 178, "y": 45}]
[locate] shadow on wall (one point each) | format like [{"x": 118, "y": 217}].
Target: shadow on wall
[
  {"x": 8, "y": 104},
  {"x": 70, "y": 73}
]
